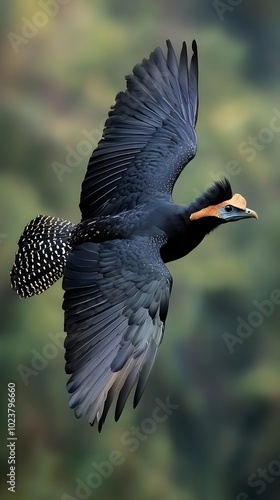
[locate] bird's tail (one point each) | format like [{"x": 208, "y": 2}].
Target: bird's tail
[{"x": 42, "y": 251}]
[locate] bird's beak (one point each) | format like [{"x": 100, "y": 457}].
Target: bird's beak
[
  {"x": 238, "y": 214},
  {"x": 250, "y": 213}
]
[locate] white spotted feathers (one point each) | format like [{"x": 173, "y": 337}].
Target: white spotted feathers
[{"x": 41, "y": 256}]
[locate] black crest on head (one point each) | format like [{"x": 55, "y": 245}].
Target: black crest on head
[{"x": 219, "y": 192}]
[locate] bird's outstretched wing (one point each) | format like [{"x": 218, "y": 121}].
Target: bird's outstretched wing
[
  {"x": 116, "y": 301},
  {"x": 148, "y": 137}
]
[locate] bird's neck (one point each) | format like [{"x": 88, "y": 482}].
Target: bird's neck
[{"x": 184, "y": 242}]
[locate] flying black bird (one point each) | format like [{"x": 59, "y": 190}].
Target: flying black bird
[{"x": 116, "y": 284}]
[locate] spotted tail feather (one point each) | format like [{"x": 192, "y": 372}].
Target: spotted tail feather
[{"x": 42, "y": 251}]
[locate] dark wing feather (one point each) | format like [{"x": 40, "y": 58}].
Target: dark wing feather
[
  {"x": 148, "y": 138},
  {"x": 116, "y": 301}
]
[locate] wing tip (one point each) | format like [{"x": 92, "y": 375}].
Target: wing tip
[
  {"x": 184, "y": 45},
  {"x": 194, "y": 46}
]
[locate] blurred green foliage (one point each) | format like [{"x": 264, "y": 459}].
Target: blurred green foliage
[{"x": 61, "y": 81}]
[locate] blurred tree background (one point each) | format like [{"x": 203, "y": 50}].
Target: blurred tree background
[{"x": 62, "y": 64}]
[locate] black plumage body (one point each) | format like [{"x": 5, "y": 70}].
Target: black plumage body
[
  {"x": 116, "y": 283},
  {"x": 157, "y": 219}
]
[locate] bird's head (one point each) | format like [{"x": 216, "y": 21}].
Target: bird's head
[{"x": 219, "y": 203}]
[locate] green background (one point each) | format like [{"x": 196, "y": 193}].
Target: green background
[{"x": 225, "y": 429}]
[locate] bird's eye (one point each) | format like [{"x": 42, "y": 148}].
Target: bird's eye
[{"x": 228, "y": 208}]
